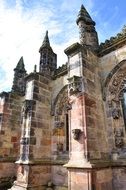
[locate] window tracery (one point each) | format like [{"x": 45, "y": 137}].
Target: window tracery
[
  {"x": 61, "y": 108},
  {"x": 116, "y": 99}
]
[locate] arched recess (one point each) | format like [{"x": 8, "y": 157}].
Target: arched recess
[
  {"x": 110, "y": 75},
  {"x": 114, "y": 90},
  {"x": 60, "y": 126}
]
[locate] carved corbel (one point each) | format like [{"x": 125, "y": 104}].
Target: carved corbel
[
  {"x": 76, "y": 134},
  {"x": 74, "y": 85}
]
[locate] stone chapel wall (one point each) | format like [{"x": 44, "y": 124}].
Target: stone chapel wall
[{"x": 10, "y": 130}]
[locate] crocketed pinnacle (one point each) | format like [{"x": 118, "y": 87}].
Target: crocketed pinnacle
[
  {"x": 84, "y": 15},
  {"x": 46, "y": 43},
  {"x": 20, "y": 66}
]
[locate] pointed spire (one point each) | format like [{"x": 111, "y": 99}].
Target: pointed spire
[
  {"x": 46, "y": 43},
  {"x": 19, "y": 83},
  {"x": 84, "y": 15},
  {"x": 20, "y": 65},
  {"x": 48, "y": 59},
  {"x": 46, "y": 39}
]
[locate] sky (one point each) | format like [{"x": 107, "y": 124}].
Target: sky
[{"x": 23, "y": 24}]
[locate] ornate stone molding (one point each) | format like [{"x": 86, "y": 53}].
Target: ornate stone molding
[
  {"x": 114, "y": 73},
  {"x": 74, "y": 85},
  {"x": 60, "y": 103}
]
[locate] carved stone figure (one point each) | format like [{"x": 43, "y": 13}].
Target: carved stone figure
[
  {"x": 119, "y": 142},
  {"x": 115, "y": 113},
  {"x": 60, "y": 147}
]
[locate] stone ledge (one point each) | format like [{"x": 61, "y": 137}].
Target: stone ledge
[
  {"x": 42, "y": 162},
  {"x": 95, "y": 164},
  {"x": 73, "y": 48},
  {"x": 11, "y": 160},
  {"x": 78, "y": 164}
]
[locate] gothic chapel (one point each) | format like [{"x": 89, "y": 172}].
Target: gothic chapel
[{"x": 65, "y": 128}]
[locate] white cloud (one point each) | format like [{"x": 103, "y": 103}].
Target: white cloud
[
  {"x": 21, "y": 34},
  {"x": 23, "y": 27}
]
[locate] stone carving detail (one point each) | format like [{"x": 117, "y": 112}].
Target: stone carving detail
[
  {"x": 59, "y": 147},
  {"x": 25, "y": 137},
  {"x": 117, "y": 84},
  {"x": 67, "y": 107},
  {"x": 76, "y": 134},
  {"x": 75, "y": 85},
  {"x": 58, "y": 107},
  {"x": 24, "y": 141},
  {"x": 59, "y": 124},
  {"x": 27, "y": 108},
  {"x": 119, "y": 142},
  {"x": 117, "y": 88},
  {"x": 116, "y": 113}
]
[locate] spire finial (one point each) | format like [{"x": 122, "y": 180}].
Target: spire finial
[
  {"x": 45, "y": 43},
  {"x": 20, "y": 65},
  {"x": 46, "y": 40},
  {"x": 82, "y": 6},
  {"x": 84, "y": 15},
  {"x": 19, "y": 83}
]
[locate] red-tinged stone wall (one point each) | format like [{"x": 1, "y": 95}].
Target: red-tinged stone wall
[
  {"x": 89, "y": 179},
  {"x": 9, "y": 135},
  {"x": 102, "y": 179},
  {"x": 39, "y": 175},
  {"x": 119, "y": 178},
  {"x": 79, "y": 179},
  {"x": 59, "y": 176},
  {"x": 10, "y": 131}
]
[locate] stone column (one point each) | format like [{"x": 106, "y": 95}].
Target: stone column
[{"x": 78, "y": 166}]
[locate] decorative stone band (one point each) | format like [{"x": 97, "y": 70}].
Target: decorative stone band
[{"x": 113, "y": 43}]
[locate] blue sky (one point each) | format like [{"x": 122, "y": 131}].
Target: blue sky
[{"x": 23, "y": 24}]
